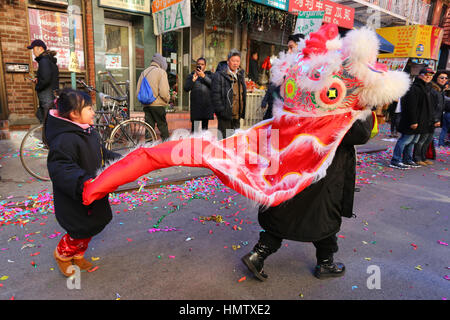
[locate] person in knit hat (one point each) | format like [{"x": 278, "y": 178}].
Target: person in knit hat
[{"x": 156, "y": 75}]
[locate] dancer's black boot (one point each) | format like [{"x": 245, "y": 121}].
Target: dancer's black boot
[
  {"x": 326, "y": 268},
  {"x": 255, "y": 260}
]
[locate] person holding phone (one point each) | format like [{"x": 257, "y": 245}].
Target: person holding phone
[{"x": 198, "y": 82}]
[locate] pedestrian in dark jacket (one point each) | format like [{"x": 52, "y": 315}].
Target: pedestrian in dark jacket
[
  {"x": 229, "y": 94},
  {"x": 198, "y": 83},
  {"x": 414, "y": 118},
  {"x": 272, "y": 92},
  {"x": 315, "y": 214},
  {"x": 429, "y": 119},
  {"x": 445, "y": 123},
  {"x": 253, "y": 68},
  {"x": 75, "y": 155},
  {"x": 47, "y": 77},
  {"x": 439, "y": 85}
]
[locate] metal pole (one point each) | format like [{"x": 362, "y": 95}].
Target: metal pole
[{"x": 72, "y": 35}]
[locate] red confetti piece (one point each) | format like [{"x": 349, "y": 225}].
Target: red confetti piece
[
  {"x": 242, "y": 279},
  {"x": 93, "y": 269},
  {"x": 34, "y": 254}
]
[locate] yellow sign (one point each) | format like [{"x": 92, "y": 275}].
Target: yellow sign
[
  {"x": 142, "y": 6},
  {"x": 414, "y": 41}
]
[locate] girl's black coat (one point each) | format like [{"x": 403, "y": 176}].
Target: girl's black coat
[
  {"x": 315, "y": 213},
  {"x": 74, "y": 156}
]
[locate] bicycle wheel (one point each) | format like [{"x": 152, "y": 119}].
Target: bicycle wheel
[
  {"x": 129, "y": 134},
  {"x": 33, "y": 154}
]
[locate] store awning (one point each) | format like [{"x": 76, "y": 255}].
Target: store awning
[{"x": 385, "y": 46}]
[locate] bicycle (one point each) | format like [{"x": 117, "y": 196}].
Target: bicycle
[
  {"x": 33, "y": 153},
  {"x": 117, "y": 131}
]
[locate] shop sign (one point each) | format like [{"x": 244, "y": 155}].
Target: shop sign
[
  {"x": 414, "y": 41},
  {"x": 336, "y": 13},
  {"x": 141, "y": 6},
  {"x": 394, "y": 63},
  {"x": 58, "y": 3},
  {"x": 113, "y": 61},
  {"x": 169, "y": 15},
  {"x": 53, "y": 28},
  {"x": 279, "y": 4},
  {"x": 17, "y": 68},
  {"x": 308, "y": 21}
]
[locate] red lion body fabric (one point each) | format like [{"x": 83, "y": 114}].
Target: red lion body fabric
[{"x": 324, "y": 91}]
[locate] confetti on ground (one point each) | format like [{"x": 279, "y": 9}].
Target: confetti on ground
[
  {"x": 3, "y": 278},
  {"x": 419, "y": 267},
  {"x": 242, "y": 279},
  {"x": 93, "y": 269}
]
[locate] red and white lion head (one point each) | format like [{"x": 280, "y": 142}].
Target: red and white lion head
[{"x": 331, "y": 75}]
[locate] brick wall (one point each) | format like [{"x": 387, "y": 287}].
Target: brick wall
[
  {"x": 14, "y": 39},
  {"x": 446, "y": 26}
]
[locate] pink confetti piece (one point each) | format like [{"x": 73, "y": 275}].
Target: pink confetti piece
[{"x": 443, "y": 243}]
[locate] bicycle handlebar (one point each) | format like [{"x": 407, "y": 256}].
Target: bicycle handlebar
[{"x": 101, "y": 94}]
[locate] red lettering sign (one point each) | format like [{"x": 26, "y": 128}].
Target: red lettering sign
[{"x": 334, "y": 12}]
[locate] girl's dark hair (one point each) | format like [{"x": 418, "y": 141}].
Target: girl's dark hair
[{"x": 71, "y": 100}]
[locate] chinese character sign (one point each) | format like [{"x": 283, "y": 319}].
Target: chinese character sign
[
  {"x": 308, "y": 21},
  {"x": 169, "y": 15},
  {"x": 279, "y": 4},
  {"x": 336, "y": 13}
]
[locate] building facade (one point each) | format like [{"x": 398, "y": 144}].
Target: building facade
[{"x": 94, "y": 38}]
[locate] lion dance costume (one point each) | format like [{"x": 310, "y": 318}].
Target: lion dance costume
[{"x": 325, "y": 87}]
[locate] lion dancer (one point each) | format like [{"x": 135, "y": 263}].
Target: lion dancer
[
  {"x": 300, "y": 165},
  {"x": 315, "y": 214}
]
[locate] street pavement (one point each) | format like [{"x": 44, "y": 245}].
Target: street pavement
[{"x": 185, "y": 241}]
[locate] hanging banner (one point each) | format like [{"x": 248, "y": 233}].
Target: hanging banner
[
  {"x": 169, "y": 15},
  {"x": 336, "y": 13},
  {"x": 279, "y": 4},
  {"x": 308, "y": 21}
]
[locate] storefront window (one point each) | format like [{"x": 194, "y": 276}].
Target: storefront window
[
  {"x": 53, "y": 28},
  {"x": 176, "y": 48},
  {"x": 171, "y": 44},
  {"x": 218, "y": 35},
  {"x": 117, "y": 51}
]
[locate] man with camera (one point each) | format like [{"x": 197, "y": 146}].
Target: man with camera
[{"x": 198, "y": 82}]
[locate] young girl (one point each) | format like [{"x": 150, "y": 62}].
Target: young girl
[{"x": 75, "y": 155}]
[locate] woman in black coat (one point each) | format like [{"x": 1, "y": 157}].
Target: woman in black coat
[
  {"x": 315, "y": 214},
  {"x": 199, "y": 84}
]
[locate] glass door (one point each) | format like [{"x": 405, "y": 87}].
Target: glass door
[{"x": 119, "y": 53}]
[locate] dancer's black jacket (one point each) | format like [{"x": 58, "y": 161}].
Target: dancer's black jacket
[
  {"x": 316, "y": 212},
  {"x": 75, "y": 155}
]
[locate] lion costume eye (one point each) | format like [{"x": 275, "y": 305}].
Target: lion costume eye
[{"x": 332, "y": 95}]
